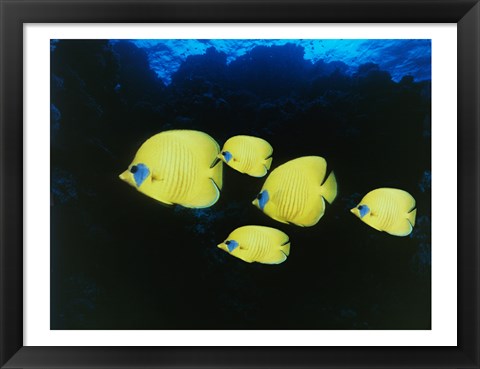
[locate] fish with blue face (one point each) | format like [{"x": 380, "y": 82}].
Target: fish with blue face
[
  {"x": 295, "y": 192},
  {"x": 388, "y": 210},
  {"x": 178, "y": 167},
  {"x": 259, "y": 244},
  {"x": 248, "y": 154}
]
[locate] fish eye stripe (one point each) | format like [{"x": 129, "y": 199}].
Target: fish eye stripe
[
  {"x": 140, "y": 174},
  {"x": 262, "y": 201},
  {"x": 227, "y": 155},
  {"x": 232, "y": 245},
  {"x": 364, "y": 210}
]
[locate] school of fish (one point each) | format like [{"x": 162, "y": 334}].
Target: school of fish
[{"x": 185, "y": 167}]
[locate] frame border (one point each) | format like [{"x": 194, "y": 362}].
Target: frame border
[{"x": 14, "y": 13}]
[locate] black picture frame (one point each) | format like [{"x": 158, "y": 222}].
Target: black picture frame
[{"x": 14, "y": 13}]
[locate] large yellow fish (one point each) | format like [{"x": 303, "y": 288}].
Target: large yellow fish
[
  {"x": 388, "y": 209},
  {"x": 248, "y": 154},
  {"x": 295, "y": 192},
  {"x": 178, "y": 167},
  {"x": 257, "y": 243}
]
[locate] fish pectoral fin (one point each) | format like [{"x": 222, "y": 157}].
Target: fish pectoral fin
[{"x": 156, "y": 177}]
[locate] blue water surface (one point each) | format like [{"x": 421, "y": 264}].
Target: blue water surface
[{"x": 399, "y": 57}]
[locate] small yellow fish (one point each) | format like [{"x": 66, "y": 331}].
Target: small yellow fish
[
  {"x": 389, "y": 210},
  {"x": 178, "y": 167},
  {"x": 248, "y": 154},
  {"x": 295, "y": 191},
  {"x": 257, "y": 243}
]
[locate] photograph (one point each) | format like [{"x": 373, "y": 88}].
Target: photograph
[{"x": 240, "y": 184}]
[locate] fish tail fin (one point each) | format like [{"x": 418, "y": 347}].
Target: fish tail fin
[
  {"x": 217, "y": 173},
  {"x": 411, "y": 217},
  {"x": 329, "y": 188},
  {"x": 285, "y": 248},
  {"x": 268, "y": 163}
]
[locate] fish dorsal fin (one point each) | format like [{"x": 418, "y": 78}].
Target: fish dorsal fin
[
  {"x": 262, "y": 148},
  {"x": 315, "y": 167}
]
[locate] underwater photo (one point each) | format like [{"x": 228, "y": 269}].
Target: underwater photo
[{"x": 261, "y": 184}]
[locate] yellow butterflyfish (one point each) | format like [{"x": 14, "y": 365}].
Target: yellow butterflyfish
[
  {"x": 295, "y": 192},
  {"x": 389, "y": 210},
  {"x": 178, "y": 167},
  {"x": 248, "y": 154},
  {"x": 259, "y": 244}
]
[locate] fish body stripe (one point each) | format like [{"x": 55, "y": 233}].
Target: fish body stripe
[
  {"x": 293, "y": 195},
  {"x": 179, "y": 165},
  {"x": 243, "y": 156},
  {"x": 258, "y": 243},
  {"x": 388, "y": 212},
  {"x": 247, "y": 156},
  {"x": 253, "y": 247}
]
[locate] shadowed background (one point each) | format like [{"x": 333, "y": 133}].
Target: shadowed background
[{"x": 120, "y": 260}]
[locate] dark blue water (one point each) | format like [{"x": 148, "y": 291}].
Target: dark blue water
[{"x": 120, "y": 260}]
